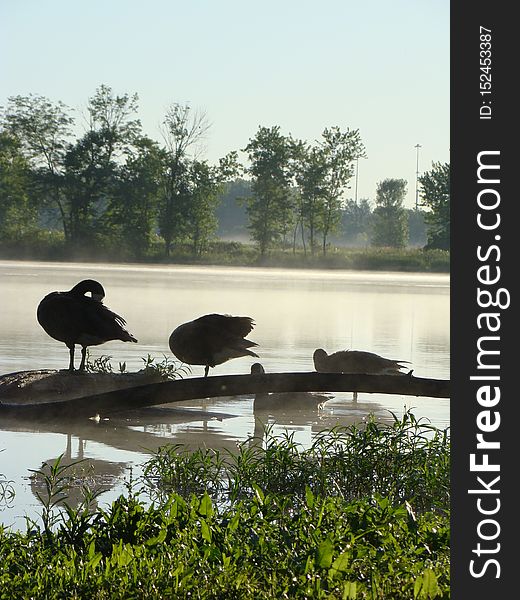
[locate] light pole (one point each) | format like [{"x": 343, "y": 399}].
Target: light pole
[
  {"x": 357, "y": 166},
  {"x": 357, "y": 171},
  {"x": 417, "y": 146}
]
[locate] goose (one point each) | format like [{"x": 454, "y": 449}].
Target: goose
[
  {"x": 73, "y": 318},
  {"x": 212, "y": 340},
  {"x": 356, "y": 361},
  {"x": 281, "y": 400}
]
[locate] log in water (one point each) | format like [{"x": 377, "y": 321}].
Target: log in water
[{"x": 79, "y": 395}]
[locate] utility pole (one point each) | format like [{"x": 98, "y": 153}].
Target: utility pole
[
  {"x": 357, "y": 165},
  {"x": 357, "y": 172},
  {"x": 417, "y": 146}
]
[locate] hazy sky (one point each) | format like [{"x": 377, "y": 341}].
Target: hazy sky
[{"x": 378, "y": 66}]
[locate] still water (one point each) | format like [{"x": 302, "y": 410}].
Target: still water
[{"x": 400, "y": 316}]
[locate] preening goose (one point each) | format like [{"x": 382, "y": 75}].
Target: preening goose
[
  {"x": 212, "y": 340},
  {"x": 74, "y": 318},
  {"x": 356, "y": 361}
]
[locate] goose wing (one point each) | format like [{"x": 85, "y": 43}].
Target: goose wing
[
  {"x": 236, "y": 326},
  {"x": 103, "y": 323}
]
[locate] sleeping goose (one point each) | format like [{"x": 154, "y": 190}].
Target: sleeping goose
[
  {"x": 212, "y": 340},
  {"x": 356, "y": 361},
  {"x": 74, "y": 318}
]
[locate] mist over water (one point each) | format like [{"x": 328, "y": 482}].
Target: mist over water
[{"x": 401, "y": 316}]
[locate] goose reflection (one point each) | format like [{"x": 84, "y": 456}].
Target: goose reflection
[
  {"x": 271, "y": 401},
  {"x": 77, "y": 480}
]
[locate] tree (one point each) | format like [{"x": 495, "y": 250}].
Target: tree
[
  {"x": 183, "y": 132},
  {"x": 270, "y": 208},
  {"x": 204, "y": 188},
  {"x": 230, "y": 212},
  {"x": 416, "y": 227},
  {"x": 356, "y": 219},
  {"x": 322, "y": 173},
  {"x": 42, "y": 129},
  {"x": 132, "y": 210},
  {"x": 17, "y": 214},
  {"x": 92, "y": 163},
  {"x": 87, "y": 172},
  {"x": 390, "y": 226},
  {"x": 113, "y": 117},
  {"x": 203, "y": 192},
  {"x": 340, "y": 150},
  {"x": 310, "y": 171},
  {"x": 435, "y": 193}
]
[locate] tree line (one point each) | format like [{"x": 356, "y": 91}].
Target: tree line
[{"x": 113, "y": 185}]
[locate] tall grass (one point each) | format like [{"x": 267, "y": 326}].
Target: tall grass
[
  {"x": 406, "y": 460},
  {"x": 361, "y": 514}
]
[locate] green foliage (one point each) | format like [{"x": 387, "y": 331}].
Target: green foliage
[
  {"x": 132, "y": 208},
  {"x": 7, "y": 492},
  {"x": 231, "y": 214},
  {"x": 311, "y": 171},
  {"x": 416, "y": 227},
  {"x": 42, "y": 128},
  {"x": 57, "y": 514},
  {"x": 101, "y": 364},
  {"x": 204, "y": 185},
  {"x": 382, "y": 259},
  {"x": 264, "y": 544},
  {"x": 390, "y": 224},
  {"x": 89, "y": 171},
  {"x": 167, "y": 368},
  {"x": 340, "y": 150},
  {"x": 34, "y": 245},
  {"x": 113, "y": 116},
  {"x": 114, "y": 192},
  {"x": 183, "y": 131},
  {"x": 322, "y": 173},
  {"x": 17, "y": 212},
  {"x": 270, "y": 209},
  {"x": 435, "y": 188},
  {"x": 405, "y": 461},
  {"x": 92, "y": 164},
  {"x": 51, "y": 246},
  {"x": 356, "y": 219}
]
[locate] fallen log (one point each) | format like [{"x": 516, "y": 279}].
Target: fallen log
[
  {"x": 46, "y": 385},
  {"x": 180, "y": 390}
]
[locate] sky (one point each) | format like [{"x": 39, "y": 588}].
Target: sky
[{"x": 377, "y": 66}]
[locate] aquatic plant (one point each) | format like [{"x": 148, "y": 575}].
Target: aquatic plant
[
  {"x": 406, "y": 460},
  {"x": 362, "y": 514}
]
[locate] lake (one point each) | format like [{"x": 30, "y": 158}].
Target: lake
[{"x": 401, "y": 316}]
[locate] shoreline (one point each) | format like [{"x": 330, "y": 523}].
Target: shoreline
[{"x": 351, "y": 260}]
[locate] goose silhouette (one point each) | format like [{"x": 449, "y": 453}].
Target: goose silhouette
[
  {"x": 73, "y": 318},
  {"x": 356, "y": 362},
  {"x": 212, "y": 340}
]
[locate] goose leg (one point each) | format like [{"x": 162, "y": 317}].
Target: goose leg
[
  {"x": 83, "y": 358},
  {"x": 71, "y": 360},
  {"x": 354, "y": 398},
  {"x": 206, "y": 370}
]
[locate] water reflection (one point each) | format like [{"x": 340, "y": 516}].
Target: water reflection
[
  {"x": 405, "y": 316},
  {"x": 200, "y": 425},
  {"x": 78, "y": 473}
]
